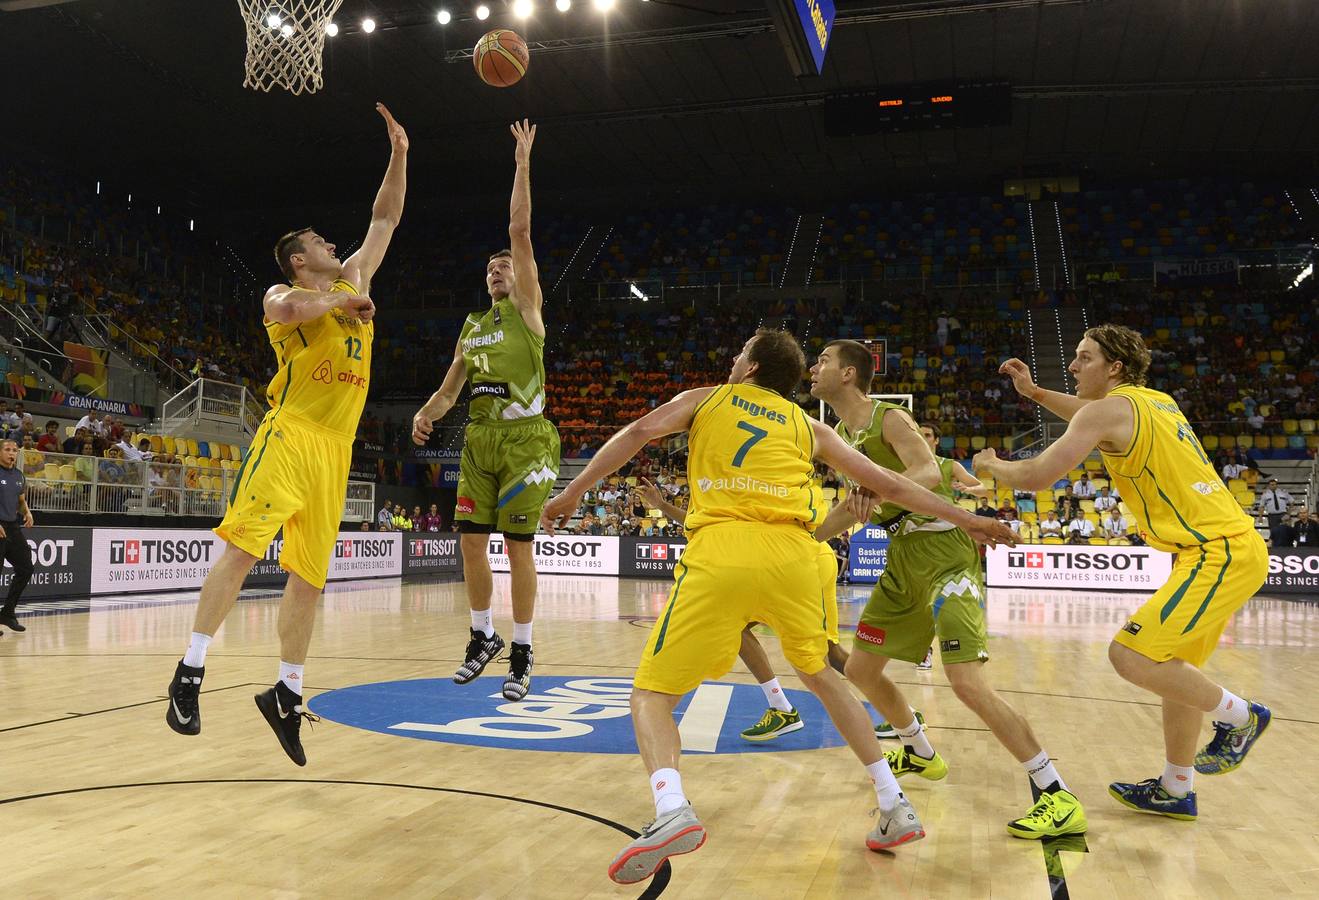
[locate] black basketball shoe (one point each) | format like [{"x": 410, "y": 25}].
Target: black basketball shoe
[
  {"x": 480, "y": 650},
  {"x": 183, "y": 713},
  {"x": 284, "y": 713},
  {"x": 9, "y": 620},
  {"x": 518, "y": 681}
]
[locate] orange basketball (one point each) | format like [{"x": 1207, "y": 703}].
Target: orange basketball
[{"x": 501, "y": 58}]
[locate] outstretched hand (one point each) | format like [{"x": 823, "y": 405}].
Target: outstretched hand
[
  {"x": 558, "y": 511},
  {"x": 524, "y": 133},
  {"x": 1019, "y": 372},
  {"x": 398, "y": 138}
]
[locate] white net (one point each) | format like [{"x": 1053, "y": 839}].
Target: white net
[{"x": 285, "y": 41}]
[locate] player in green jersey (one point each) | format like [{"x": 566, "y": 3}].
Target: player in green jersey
[
  {"x": 932, "y": 585},
  {"x": 511, "y": 453}
]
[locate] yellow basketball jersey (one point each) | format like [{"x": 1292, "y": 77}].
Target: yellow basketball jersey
[
  {"x": 749, "y": 459},
  {"x": 324, "y": 368},
  {"x": 1167, "y": 480}
]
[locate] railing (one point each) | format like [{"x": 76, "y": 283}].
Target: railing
[
  {"x": 212, "y": 403},
  {"x": 61, "y": 482}
]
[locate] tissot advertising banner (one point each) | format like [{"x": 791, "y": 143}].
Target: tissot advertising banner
[
  {"x": 1079, "y": 566},
  {"x": 61, "y": 563},
  {"x": 649, "y": 557},
  {"x": 578, "y": 554},
  {"x": 431, "y": 553},
  {"x": 1293, "y": 570}
]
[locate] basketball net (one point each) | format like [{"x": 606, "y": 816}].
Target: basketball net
[{"x": 287, "y": 54}]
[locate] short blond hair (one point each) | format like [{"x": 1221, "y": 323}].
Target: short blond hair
[{"x": 1121, "y": 344}]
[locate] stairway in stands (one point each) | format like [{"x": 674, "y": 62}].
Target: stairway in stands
[{"x": 799, "y": 264}]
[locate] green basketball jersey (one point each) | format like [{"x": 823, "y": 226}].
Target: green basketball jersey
[
  {"x": 870, "y": 441},
  {"x": 505, "y": 364}
]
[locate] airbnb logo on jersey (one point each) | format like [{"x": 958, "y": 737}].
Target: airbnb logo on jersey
[
  {"x": 323, "y": 373},
  {"x": 350, "y": 378}
]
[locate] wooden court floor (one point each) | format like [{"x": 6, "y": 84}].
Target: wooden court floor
[{"x": 99, "y": 799}]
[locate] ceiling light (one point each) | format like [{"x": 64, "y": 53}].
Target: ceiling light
[
  {"x": 273, "y": 20},
  {"x": 523, "y": 8},
  {"x": 286, "y": 29},
  {"x": 331, "y": 29},
  {"x": 563, "y": 5},
  {"x": 443, "y": 17},
  {"x": 483, "y": 12},
  {"x": 368, "y": 25},
  {"x": 604, "y": 5}
]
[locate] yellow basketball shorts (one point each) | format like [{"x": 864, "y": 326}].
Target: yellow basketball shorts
[
  {"x": 1185, "y": 618},
  {"x": 828, "y": 564},
  {"x": 733, "y": 574},
  {"x": 294, "y": 476}
]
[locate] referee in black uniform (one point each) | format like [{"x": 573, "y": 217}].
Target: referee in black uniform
[{"x": 14, "y": 517}]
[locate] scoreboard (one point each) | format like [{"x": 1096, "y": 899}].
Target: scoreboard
[
  {"x": 804, "y": 27},
  {"x": 919, "y": 107}
]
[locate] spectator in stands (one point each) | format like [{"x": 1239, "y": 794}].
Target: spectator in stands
[
  {"x": 1007, "y": 511},
  {"x": 93, "y": 423},
  {"x": 74, "y": 444},
  {"x": 984, "y": 509},
  {"x": 114, "y": 430},
  {"x": 144, "y": 448},
  {"x": 385, "y": 519},
  {"x": 1083, "y": 488},
  {"x": 1232, "y": 469},
  {"x": 639, "y": 508},
  {"x": 34, "y": 463},
  {"x": 1051, "y": 525},
  {"x": 49, "y": 442},
  {"x": 24, "y": 417},
  {"x": 1010, "y": 519},
  {"x": 1306, "y": 529},
  {"x": 1115, "y": 527},
  {"x": 1274, "y": 502},
  {"x": 85, "y": 464},
  {"x": 432, "y": 520},
  {"x": 1068, "y": 505},
  {"x": 8, "y": 421},
  {"x": 416, "y": 518},
  {"x": 1080, "y": 530},
  {"x": 366, "y": 526},
  {"x": 1282, "y": 534},
  {"x": 1105, "y": 501},
  {"x": 401, "y": 520}
]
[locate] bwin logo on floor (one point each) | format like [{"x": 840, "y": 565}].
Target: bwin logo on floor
[{"x": 566, "y": 714}]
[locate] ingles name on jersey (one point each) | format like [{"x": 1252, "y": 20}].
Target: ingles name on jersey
[{"x": 755, "y": 409}]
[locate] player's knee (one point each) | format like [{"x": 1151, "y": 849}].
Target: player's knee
[
  {"x": 474, "y": 548},
  {"x": 857, "y": 667},
  {"x": 968, "y": 684},
  {"x": 1126, "y": 662},
  {"x": 519, "y": 553}
]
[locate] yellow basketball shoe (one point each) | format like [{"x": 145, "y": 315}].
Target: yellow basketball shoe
[
  {"x": 1055, "y": 814},
  {"x": 905, "y": 761}
]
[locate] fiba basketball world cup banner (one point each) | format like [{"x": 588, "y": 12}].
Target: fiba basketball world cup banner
[{"x": 868, "y": 555}]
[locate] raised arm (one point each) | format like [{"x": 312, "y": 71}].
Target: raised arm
[
  {"x": 289, "y": 305},
  {"x": 670, "y": 418},
  {"x": 890, "y": 486},
  {"x": 652, "y": 495},
  {"x": 385, "y": 212},
  {"x": 442, "y": 400},
  {"x": 527, "y": 294},
  {"x": 1064, "y": 406},
  {"x": 1102, "y": 421}
]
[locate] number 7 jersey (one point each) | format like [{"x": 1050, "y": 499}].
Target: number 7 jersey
[
  {"x": 1166, "y": 477},
  {"x": 324, "y": 369},
  {"x": 750, "y": 459}
]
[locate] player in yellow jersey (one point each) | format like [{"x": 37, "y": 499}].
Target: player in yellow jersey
[
  {"x": 1183, "y": 507},
  {"x": 295, "y": 474},
  {"x": 751, "y": 557}
]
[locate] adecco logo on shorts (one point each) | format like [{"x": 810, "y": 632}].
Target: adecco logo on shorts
[
  {"x": 1121, "y": 568},
  {"x": 566, "y": 714},
  {"x": 580, "y": 554}
]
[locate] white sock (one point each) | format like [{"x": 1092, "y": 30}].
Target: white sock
[
  {"x": 1041, "y": 771},
  {"x": 1232, "y": 710},
  {"x": 291, "y": 675},
  {"x": 522, "y": 632},
  {"x": 915, "y": 738},
  {"x": 483, "y": 622},
  {"x": 666, "y": 788},
  {"x": 887, "y": 791},
  {"x": 196, "y": 655},
  {"x": 774, "y": 695},
  {"x": 1178, "y": 780}
]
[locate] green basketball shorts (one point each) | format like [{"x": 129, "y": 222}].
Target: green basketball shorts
[
  {"x": 931, "y": 586},
  {"x": 506, "y": 474}
]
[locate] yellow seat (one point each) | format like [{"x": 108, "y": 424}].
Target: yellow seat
[
  {"x": 157, "y": 444},
  {"x": 1210, "y": 442},
  {"x": 52, "y": 472},
  {"x": 193, "y": 449},
  {"x": 69, "y": 431},
  {"x": 168, "y": 443},
  {"x": 68, "y": 473}
]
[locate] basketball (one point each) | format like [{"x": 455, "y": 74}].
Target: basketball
[{"x": 500, "y": 58}]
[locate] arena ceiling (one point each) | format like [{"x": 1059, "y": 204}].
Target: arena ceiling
[{"x": 678, "y": 100}]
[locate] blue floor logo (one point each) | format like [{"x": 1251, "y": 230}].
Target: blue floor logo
[{"x": 574, "y": 714}]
